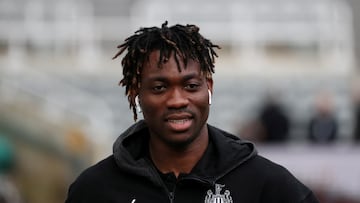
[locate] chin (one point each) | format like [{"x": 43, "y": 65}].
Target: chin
[{"x": 181, "y": 144}]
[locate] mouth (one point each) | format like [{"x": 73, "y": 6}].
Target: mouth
[{"x": 179, "y": 123}]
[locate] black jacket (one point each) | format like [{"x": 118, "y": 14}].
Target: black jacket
[{"x": 229, "y": 172}]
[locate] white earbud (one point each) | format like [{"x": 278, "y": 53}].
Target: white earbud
[
  {"x": 209, "y": 97},
  {"x": 137, "y": 104}
]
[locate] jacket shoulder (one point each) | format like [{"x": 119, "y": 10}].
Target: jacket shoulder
[
  {"x": 277, "y": 179},
  {"x": 98, "y": 170},
  {"x": 89, "y": 182}
]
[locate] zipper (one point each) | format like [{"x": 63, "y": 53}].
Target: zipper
[{"x": 171, "y": 195}]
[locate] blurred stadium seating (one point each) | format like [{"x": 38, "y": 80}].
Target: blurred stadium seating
[{"x": 59, "y": 99}]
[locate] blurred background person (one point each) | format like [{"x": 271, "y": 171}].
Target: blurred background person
[
  {"x": 356, "y": 104},
  {"x": 273, "y": 119},
  {"x": 323, "y": 125},
  {"x": 357, "y": 123},
  {"x": 251, "y": 130}
]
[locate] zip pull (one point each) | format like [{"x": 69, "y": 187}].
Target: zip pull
[{"x": 171, "y": 197}]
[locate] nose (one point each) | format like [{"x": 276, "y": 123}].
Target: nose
[{"x": 177, "y": 99}]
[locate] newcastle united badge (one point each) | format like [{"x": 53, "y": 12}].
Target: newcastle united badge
[{"x": 218, "y": 197}]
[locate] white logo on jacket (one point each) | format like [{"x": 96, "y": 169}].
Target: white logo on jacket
[{"x": 218, "y": 197}]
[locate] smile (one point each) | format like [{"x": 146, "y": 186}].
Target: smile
[
  {"x": 178, "y": 121},
  {"x": 179, "y": 124}
]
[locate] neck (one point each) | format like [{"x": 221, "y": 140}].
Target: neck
[{"x": 177, "y": 160}]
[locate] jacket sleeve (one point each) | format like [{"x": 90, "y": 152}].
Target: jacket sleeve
[
  {"x": 83, "y": 194},
  {"x": 296, "y": 191},
  {"x": 84, "y": 190},
  {"x": 75, "y": 194},
  {"x": 283, "y": 186},
  {"x": 71, "y": 196}
]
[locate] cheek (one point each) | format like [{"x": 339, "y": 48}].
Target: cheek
[
  {"x": 150, "y": 108},
  {"x": 202, "y": 102}
]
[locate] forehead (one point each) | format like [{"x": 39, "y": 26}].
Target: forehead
[{"x": 169, "y": 67}]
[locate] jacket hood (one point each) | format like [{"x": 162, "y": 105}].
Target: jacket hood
[{"x": 224, "y": 153}]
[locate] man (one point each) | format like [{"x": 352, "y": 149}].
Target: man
[{"x": 173, "y": 155}]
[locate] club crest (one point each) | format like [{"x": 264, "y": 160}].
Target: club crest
[{"x": 218, "y": 197}]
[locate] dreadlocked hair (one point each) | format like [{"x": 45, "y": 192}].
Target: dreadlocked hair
[{"x": 185, "y": 41}]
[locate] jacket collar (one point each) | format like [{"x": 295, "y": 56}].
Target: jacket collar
[{"x": 224, "y": 153}]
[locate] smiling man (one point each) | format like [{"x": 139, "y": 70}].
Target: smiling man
[{"x": 173, "y": 155}]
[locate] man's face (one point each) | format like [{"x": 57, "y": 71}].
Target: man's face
[{"x": 175, "y": 104}]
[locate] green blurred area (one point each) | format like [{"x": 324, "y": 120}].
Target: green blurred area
[
  {"x": 40, "y": 168},
  {"x": 6, "y": 155}
]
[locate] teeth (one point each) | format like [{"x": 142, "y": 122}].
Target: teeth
[{"x": 178, "y": 121}]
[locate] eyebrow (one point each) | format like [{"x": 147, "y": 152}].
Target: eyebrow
[
  {"x": 191, "y": 76},
  {"x": 184, "y": 78}
]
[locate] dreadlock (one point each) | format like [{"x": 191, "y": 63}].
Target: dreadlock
[{"x": 185, "y": 41}]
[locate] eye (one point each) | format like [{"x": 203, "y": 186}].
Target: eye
[
  {"x": 158, "y": 88},
  {"x": 192, "y": 86}
]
